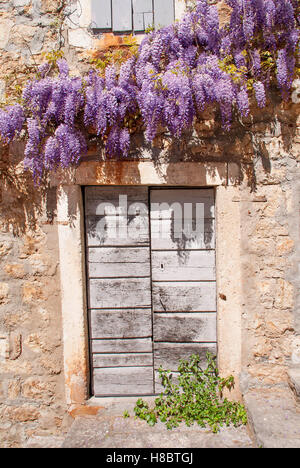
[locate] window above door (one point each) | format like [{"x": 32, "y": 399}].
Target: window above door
[{"x": 127, "y": 16}]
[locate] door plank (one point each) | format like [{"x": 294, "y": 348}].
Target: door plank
[
  {"x": 185, "y": 328},
  {"x": 115, "y": 200},
  {"x": 120, "y": 293},
  {"x": 184, "y": 265},
  {"x": 117, "y": 231},
  {"x": 138, "y": 345},
  {"x": 184, "y": 297},
  {"x": 166, "y": 203},
  {"x": 167, "y": 235},
  {"x": 123, "y": 381},
  {"x": 135, "y": 323},
  {"x": 118, "y": 262},
  {"x": 123, "y": 360},
  {"x": 168, "y": 355}
]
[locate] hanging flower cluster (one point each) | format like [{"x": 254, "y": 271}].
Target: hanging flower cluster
[{"x": 178, "y": 71}]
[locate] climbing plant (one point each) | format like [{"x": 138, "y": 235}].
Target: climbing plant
[{"x": 174, "y": 75}]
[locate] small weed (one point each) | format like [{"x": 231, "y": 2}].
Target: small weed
[{"x": 198, "y": 397}]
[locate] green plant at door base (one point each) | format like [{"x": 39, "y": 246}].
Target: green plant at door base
[{"x": 198, "y": 397}]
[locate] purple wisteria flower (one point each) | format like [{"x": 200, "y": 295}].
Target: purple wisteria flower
[
  {"x": 11, "y": 122},
  {"x": 260, "y": 93},
  {"x": 176, "y": 74}
]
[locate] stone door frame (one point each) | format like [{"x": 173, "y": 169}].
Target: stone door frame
[{"x": 223, "y": 177}]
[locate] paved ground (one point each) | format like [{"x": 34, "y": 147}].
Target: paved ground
[
  {"x": 109, "y": 429},
  {"x": 274, "y": 415}
]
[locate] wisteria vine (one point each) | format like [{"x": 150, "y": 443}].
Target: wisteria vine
[{"x": 177, "y": 72}]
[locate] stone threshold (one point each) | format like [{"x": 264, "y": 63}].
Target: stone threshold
[{"x": 274, "y": 416}]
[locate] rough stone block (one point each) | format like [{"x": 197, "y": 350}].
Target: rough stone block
[
  {"x": 294, "y": 380},
  {"x": 36, "y": 389},
  {"x": 32, "y": 292},
  {"x": 5, "y": 29},
  {"x": 14, "y": 388},
  {"x": 15, "y": 270},
  {"x": 4, "y": 347},
  {"x": 80, "y": 38},
  {"x": 274, "y": 418},
  {"x": 15, "y": 346},
  {"x": 284, "y": 298},
  {"x": 21, "y": 414},
  {"x": 4, "y": 291}
]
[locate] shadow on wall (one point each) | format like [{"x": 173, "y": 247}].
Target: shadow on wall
[
  {"x": 247, "y": 142},
  {"x": 22, "y": 202}
]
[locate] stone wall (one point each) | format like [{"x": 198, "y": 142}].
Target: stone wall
[
  {"x": 271, "y": 255},
  {"x": 30, "y": 29},
  {"x": 32, "y": 401}
]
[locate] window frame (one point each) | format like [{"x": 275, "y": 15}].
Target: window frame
[{"x": 98, "y": 31}]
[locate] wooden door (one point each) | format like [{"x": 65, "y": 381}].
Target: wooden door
[
  {"x": 119, "y": 290},
  {"x": 183, "y": 276},
  {"x": 146, "y": 313}
]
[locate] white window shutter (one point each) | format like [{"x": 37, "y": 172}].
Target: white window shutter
[
  {"x": 164, "y": 13},
  {"x": 142, "y": 14},
  {"x": 101, "y": 14},
  {"x": 142, "y": 6},
  {"x": 122, "y": 15},
  {"x": 132, "y": 15}
]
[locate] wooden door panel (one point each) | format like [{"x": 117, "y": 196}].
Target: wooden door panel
[
  {"x": 168, "y": 355},
  {"x": 185, "y": 328},
  {"x": 185, "y": 265},
  {"x": 183, "y": 276},
  {"x": 127, "y": 323},
  {"x": 117, "y": 231},
  {"x": 119, "y": 262},
  {"x": 146, "y": 312},
  {"x": 184, "y": 296},
  {"x": 123, "y": 360},
  {"x": 118, "y": 254},
  {"x": 122, "y": 381},
  {"x": 137, "y": 345},
  {"x": 166, "y": 234},
  {"x": 120, "y": 293},
  {"x": 102, "y": 198},
  {"x": 164, "y": 203}
]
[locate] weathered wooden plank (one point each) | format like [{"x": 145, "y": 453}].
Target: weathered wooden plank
[
  {"x": 120, "y": 293},
  {"x": 138, "y": 345},
  {"x": 168, "y": 355},
  {"x": 184, "y": 297},
  {"x": 166, "y": 204},
  {"x": 168, "y": 234},
  {"x": 127, "y": 323},
  {"x": 116, "y": 200},
  {"x": 185, "y": 328},
  {"x": 183, "y": 265},
  {"x": 123, "y": 381},
  {"x": 123, "y": 360},
  {"x": 117, "y": 231},
  {"x": 118, "y": 262}
]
